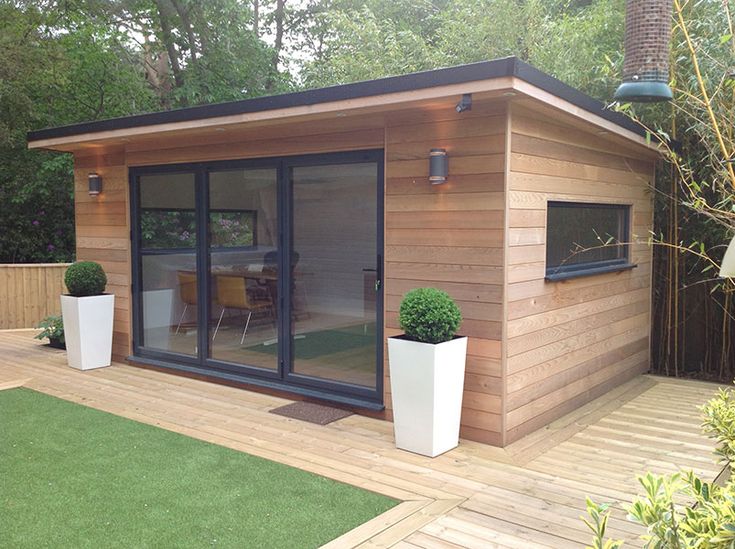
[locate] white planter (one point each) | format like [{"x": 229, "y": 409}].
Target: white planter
[
  {"x": 426, "y": 384},
  {"x": 88, "y": 330}
]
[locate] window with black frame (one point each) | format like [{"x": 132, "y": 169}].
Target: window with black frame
[{"x": 584, "y": 239}]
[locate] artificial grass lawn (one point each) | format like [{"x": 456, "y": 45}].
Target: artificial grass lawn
[{"x": 72, "y": 476}]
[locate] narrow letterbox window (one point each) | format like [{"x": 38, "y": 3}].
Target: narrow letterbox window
[{"x": 585, "y": 239}]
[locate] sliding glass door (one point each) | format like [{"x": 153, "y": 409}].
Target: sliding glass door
[
  {"x": 268, "y": 270},
  {"x": 169, "y": 296},
  {"x": 335, "y": 262},
  {"x": 243, "y": 266}
]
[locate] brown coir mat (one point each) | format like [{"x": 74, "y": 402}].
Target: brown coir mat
[{"x": 313, "y": 413}]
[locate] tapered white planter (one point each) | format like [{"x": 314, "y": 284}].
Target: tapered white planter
[
  {"x": 88, "y": 330},
  {"x": 426, "y": 384}
]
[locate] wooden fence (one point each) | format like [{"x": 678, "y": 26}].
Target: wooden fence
[{"x": 30, "y": 293}]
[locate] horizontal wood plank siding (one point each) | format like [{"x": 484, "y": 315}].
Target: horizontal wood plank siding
[
  {"x": 451, "y": 237},
  {"x": 568, "y": 342},
  {"x": 103, "y": 222},
  {"x": 537, "y": 349},
  {"x": 29, "y": 293},
  {"x": 103, "y": 234}
]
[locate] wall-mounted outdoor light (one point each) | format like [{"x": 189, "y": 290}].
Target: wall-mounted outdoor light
[
  {"x": 95, "y": 184},
  {"x": 438, "y": 166},
  {"x": 465, "y": 104}
]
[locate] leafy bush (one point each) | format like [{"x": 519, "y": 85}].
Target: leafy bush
[
  {"x": 599, "y": 514},
  {"x": 85, "y": 278},
  {"x": 52, "y": 328},
  {"x": 705, "y": 519},
  {"x": 429, "y": 315},
  {"x": 681, "y": 510},
  {"x": 719, "y": 424}
]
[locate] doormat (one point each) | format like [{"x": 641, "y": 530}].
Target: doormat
[{"x": 313, "y": 413}]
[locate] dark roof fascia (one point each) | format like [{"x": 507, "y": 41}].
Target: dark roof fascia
[
  {"x": 510, "y": 66},
  {"x": 554, "y": 86}
]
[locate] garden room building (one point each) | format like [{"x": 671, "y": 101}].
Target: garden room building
[{"x": 268, "y": 242}]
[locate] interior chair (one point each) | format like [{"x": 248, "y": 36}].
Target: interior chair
[
  {"x": 187, "y": 292},
  {"x": 232, "y": 293}
]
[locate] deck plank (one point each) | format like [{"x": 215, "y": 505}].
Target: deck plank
[{"x": 530, "y": 494}]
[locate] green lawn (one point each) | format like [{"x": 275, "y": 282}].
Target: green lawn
[{"x": 71, "y": 476}]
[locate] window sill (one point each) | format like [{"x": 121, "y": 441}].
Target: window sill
[{"x": 556, "y": 277}]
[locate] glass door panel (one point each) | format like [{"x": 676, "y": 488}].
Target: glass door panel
[
  {"x": 243, "y": 267},
  {"x": 333, "y": 272},
  {"x": 168, "y": 244}
]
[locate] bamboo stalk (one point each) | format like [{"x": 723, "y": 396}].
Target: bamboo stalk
[{"x": 703, "y": 90}]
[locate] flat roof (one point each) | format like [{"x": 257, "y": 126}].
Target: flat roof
[{"x": 485, "y": 70}]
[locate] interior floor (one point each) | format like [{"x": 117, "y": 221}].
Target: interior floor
[{"x": 333, "y": 347}]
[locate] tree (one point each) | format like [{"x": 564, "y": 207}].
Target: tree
[
  {"x": 47, "y": 77},
  {"x": 69, "y": 61}
]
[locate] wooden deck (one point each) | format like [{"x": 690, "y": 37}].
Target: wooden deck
[{"x": 530, "y": 494}]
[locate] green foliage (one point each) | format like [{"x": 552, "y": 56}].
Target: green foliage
[
  {"x": 352, "y": 40},
  {"x": 429, "y": 315},
  {"x": 85, "y": 278},
  {"x": 477, "y": 30},
  {"x": 362, "y": 46},
  {"x": 37, "y": 222},
  {"x": 705, "y": 519},
  {"x": 218, "y": 56},
  {"x": 597, "y": 523},
  {"x": 719, "y": 423},
  {"x": 168, "y": 229},
  {"x": 594, "y": 33},
  {"x": 231, "y": 229},
  {"x": 52, "y": 327},
  {"x": 67, "y": 62}
]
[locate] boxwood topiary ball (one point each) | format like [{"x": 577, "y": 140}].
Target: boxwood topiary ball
[
  {"x": 429, "y": 315},
  {"x": 85, "y": 278}
]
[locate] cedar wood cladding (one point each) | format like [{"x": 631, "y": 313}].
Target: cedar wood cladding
[
  {"x": 569, "y": 342},
  {"x": 566, "y": 342}
]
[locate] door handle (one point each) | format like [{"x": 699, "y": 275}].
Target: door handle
[{"x": 379, "y": 273}]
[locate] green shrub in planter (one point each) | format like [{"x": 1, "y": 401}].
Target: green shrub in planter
[
  {"x": 85, "y": 278},
  {"x": 429, "y": 315}
]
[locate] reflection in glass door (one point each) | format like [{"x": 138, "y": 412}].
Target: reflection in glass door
[
  {"x": 265, "y": 270},
  {"x": 334, "y": 278},
  {"x": 168, "y": 250},
  {"x": 243, "y": 267}
]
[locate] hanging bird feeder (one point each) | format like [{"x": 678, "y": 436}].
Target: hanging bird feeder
[{"x": 647, "y": 42}]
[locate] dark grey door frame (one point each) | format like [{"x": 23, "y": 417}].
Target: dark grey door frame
[{"x": 201, "y": 364}]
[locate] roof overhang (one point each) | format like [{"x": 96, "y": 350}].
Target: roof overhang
[{"x": 499, "y": 79}]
